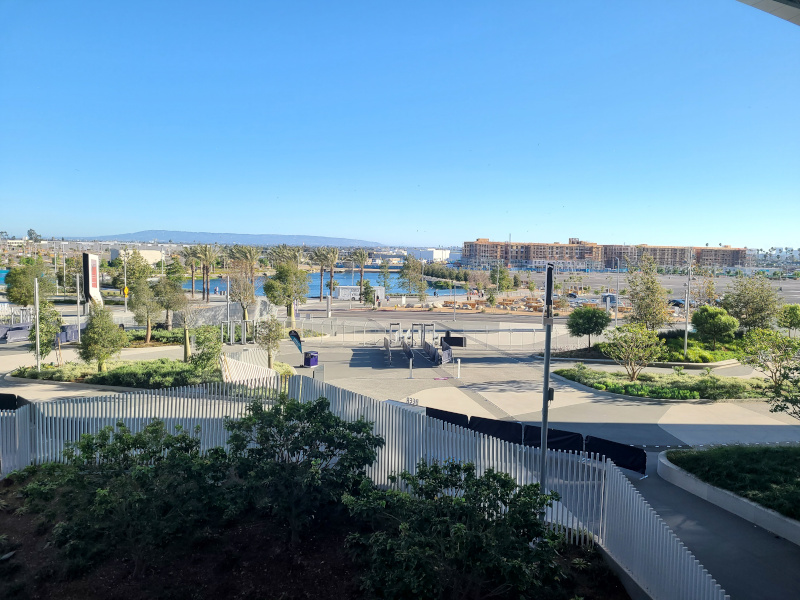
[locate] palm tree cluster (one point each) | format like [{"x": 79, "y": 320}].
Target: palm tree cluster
[{"x": 326, "y": 258}]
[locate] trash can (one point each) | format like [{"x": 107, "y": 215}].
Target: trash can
[{"x": 310, "y": 359}]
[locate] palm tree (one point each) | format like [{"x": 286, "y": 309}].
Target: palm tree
[
  {"x": 319, "y": 257},
  {"x": 360, "y": 256},
  {"x": 248, "y": 257},
  {"x": 189, "y": 255},
  {"x": 207, "y": 255},
  {"x": 331, "y": 258},
  {"x": 287, "y": 254}
]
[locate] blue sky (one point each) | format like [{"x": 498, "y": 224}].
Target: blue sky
[{"x": 419, "y": 123}]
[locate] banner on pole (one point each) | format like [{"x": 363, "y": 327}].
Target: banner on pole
[{"x": 295, "y": 337}]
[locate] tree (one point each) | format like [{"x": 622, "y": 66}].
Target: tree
[
  {"x": 753, "y": 301},
  {"x": 294, "y": 459},
  {"x": 500, "y": 277},
  {"x": 385, "y": 277},
  {"x": 491, "y": 298},
  {"x": 531, "y": 287},
  {"x": 704, "y": 290},
  {"x": 247, "y": 260},
  {"x": 361, "y": 258},
  {"x": 633, "y": 347},
  {"x": 176, "y": 271},
  {"x": 288, "y": 285},
  {"x": 778, "y": 357},
  {"x": 587, "y": 321},
  {"x": 448, "y": 532},
  {"x": 208, "y": 348},
  {"x": 145, "y": 306},
  {"x": 331, "y": 258},
  {"x": 207, "y": 255},
  {"x": 190, "y": 259},
  {"x": 34, "y": 237},
  {"x": 319, "y": 257},
  {"x": 242, "y": 289},
  {"x": 789, "y": 317},
  {"x": 269, "y": 334},
  {"x": 170, "y": 296},
  {"x": 189, "y": 315},
  {"x": 517, "y": 282},
  {"x": 19, "y": 282},
  {"x": 368, "y": 293},
  {"x": 411, "y": 278},
  {"x": 137, "y": 269},
  {"x": 648, "y": 297},
  {"x": 102, "y": 338},
  {"x": 50, "y": 322},
  {"x": 714, "y": 324}
]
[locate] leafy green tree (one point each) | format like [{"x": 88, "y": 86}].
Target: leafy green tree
[
  {"x": 778, "y": 357},
  {"x": 587, "y": 321},
  {"x": 714, "y": 324},
  {"x": 385, "y": 277},
  {"x": 455, "y": 534},
  {"x": 145, "y": 306},
  {"x": 296, "y": 459},
  {"x": 50, "y": 323},
  {"x": 241, "y": 289},
  {"x": 517, "y": 282},
  {"x": 753, "y": 301},
  {"x": 411, "y": 278},
  {"x": 19, "y": 282},
  {"x": 170, "y": 296},
  {"x": 500, "y": 277},
  {"x": 102, "y": 338},
  {"x": 789, "y": 317},
  {"x": 491, "y": 299},
  {"x": 138, "y": 269},
  {"x": 531, "y": 287},
  {"x": 269, "y": 334},
  {"x": 176, "y": 271},
  {"x": 66, "y": 274},
  {"x": 208, "y": 348},
  {"x": 633, "y": 347},
  {"x": 368, "y": 293},
  {"x": 288, "y": 285},
  {"x": 648, "y": 297}
]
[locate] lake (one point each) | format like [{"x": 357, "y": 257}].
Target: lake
[{"x": 343, "y": 278}]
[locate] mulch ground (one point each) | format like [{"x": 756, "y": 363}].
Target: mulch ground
[{"x": 251, "y": 560}]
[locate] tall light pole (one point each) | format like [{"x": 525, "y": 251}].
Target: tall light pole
[
  {"x": 125, "y": 277},
  {"x": 36, "y": 308},
  {"x": 616, "y": 309},
  {"x": 686, "y": 307},
  {"x": 548, "y": 321},
  {"x": 78, "y": 302}
]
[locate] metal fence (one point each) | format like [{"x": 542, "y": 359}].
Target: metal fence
[{"x": 597, "y": 503}]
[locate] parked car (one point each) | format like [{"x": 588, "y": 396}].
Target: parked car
[{"x": 572, "y": 295}]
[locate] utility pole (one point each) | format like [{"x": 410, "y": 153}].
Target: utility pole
[
  {"x": 125, "y": 277},
  {"x": 36, "y": 308},
  {"x": 548, "y": 321},
  {"x": 228, "y": 305}
]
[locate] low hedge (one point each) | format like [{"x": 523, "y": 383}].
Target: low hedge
[
  {"x": 669, "y": 387},
  {"x": 767, "y": 476}
]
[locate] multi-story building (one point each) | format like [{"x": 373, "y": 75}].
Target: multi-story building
[{"x": 581, "y": 254}]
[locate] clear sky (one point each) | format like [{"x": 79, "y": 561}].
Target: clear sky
[{"x": 415, "y": 122}]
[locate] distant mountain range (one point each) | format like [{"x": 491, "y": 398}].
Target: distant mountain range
[{"x": 249, "y": 239}]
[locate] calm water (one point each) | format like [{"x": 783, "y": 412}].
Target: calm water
[
  {"x": 342, "y": 278},
  {"x": 3, "y": 276}
]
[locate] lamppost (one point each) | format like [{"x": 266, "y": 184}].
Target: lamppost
[
  {"x": 616, "y": 310},
  {"x": 686, "y": 307}
]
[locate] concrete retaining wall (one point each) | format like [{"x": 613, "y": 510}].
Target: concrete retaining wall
[{"x": 750, "y": 511}]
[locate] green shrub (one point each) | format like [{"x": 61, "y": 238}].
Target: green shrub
[
  {"x": 126, "y": 493},
  {"x": 455, "y": 535},
  {"x": 294, "y": 459},
  {"x": 151, "y": 374}
]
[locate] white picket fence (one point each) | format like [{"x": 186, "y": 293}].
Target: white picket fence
[{"x": 598, "y": 504}]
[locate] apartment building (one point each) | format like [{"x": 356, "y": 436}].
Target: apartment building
[{"x": 581, "y": 254}]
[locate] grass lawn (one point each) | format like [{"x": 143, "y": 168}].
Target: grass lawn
[
  {"x": 673, "y": 386},
  {"x": 768, "y": 476}
]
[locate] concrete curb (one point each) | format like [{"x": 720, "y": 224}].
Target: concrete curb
[
  {"x": 635, "y": 591},
  {"x": 87, "y": 386},
  {"x": 770, "y": 520}
]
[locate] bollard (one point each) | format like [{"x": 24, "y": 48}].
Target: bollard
[
  {"x": 458, "y": 368},
  {"x": 411, "y": 368}
]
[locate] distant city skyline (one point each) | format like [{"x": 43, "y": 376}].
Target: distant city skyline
[{"x": 421, "y": 124}]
